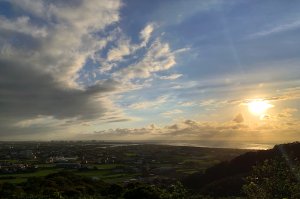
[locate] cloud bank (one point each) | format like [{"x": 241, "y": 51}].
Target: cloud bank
[
  {"x": 47, "y": 50},
  {"x": 43, "y": 47}
]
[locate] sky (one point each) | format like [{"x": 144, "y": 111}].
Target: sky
[{"x": 225, "y": 70}]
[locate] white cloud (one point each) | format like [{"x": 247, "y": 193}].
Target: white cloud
[
  {"x": 124, "y": 47},
  {"x": 208, "y": 102},
  {"x": 35, "y": 7},
  {"x": 277, "y": 29},
  {"x": 38, "y": 121},
  {"x": 145, "y": 34},
  {"x": 181, "y": 50},
  {"x": 117, "y": 54},
  {"x": 22, "y": 25},
  {"x": 66, "y": 39},
  {"x": 155, "y": 57},
  {"x": 149, "y": 104},
  {"x": 43, "y": 46},
  {"x": 172, "y": 112},
  {"x": 158, "y": 58},
  {"x": 187, "y": 103},
  {"x": 171, "y": 77},
  {"x": 195, "y": 130}
]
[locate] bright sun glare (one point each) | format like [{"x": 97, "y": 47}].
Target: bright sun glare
[{"x": 259, "y": 107}]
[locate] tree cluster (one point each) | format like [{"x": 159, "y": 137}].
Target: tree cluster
[{"x": 65, "y": 185}]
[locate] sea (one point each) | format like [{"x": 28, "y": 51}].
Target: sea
[
  {"x": 198, "y": 143},
  {"x": 219, "y": 144}
]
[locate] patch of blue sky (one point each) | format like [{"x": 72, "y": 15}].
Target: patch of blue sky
[
  {"x": 6, "y": 9},
  {"x": 10, "y": 11},
  {"x": 217, "y": 38}
]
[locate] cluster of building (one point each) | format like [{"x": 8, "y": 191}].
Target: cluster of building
[
  {"x": 142, "y": 159},
  {"x": 9, "y": 168}
]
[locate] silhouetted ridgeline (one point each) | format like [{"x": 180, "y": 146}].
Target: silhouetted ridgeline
[{"x": 227, "y": 178}]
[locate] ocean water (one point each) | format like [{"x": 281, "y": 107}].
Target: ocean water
[
  {"x": 218, "y": 144},
  {"x": 201, "y": 143}
]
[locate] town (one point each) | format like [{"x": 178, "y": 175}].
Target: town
[{"x": 117, "y": 162}]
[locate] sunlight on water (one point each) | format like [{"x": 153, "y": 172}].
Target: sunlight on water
[
  {"x": 217, "y": 144},
  {"x": 258, "y": 146}
]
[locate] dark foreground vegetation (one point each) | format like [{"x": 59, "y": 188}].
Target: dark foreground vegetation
[
  {"x": 273, "y": 173},
  {"x": 68, "y": 185}
]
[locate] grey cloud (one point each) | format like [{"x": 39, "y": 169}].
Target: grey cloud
[
  {"x": 61, "y": 45},
  {"x": 28, "y": 93},
  {"x": 239, "y": 118},
  {"x": 188, "y": 129},
  {"x": 39, "y": 64},
  {"x": 195, "y": 130}
]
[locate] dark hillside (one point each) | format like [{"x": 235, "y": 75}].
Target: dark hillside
[{"x": 227, "y": 178}]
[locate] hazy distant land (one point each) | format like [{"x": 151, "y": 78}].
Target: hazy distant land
[
  {"x": 27, "y": 169},
  {"x": 107, "y": 160}
]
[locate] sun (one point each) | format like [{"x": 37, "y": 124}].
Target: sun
[{"x": 259, "y": 107}]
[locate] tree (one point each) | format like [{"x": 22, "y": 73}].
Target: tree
[
  {"x": 143, "y": 191},
  {"x": 273, "y": 179}
]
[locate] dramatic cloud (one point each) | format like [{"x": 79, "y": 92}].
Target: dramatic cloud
[
  {"x": 44, "y": 55},
  {"x": 158, "y": 58},
  {"x": 195, "y": 130},
  {"x": 118, "y": 53},
  {"x": 40, "y": 62},
  {"x": 61, "y": 45},
  {"x": 123, "y": 47},
  {"x": 70, "y": 67},
  {"x": 37, "y": 93},
  {"x": 22, "y": 25}
]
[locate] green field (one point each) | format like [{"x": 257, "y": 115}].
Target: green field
[
  {"x": 104, "y": 172},
  {"x": 134, "y": 162},
  {"x": 21, "y": 177}
]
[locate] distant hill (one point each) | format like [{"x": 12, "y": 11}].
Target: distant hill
[{"x": 227, "y": 178}]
